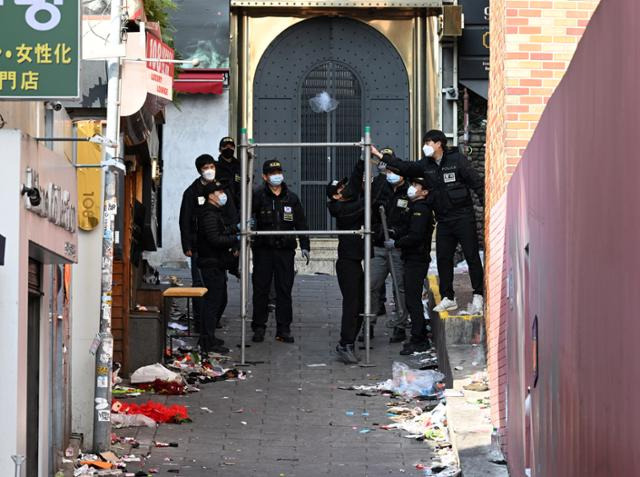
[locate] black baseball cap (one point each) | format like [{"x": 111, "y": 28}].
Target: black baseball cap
[
  {"x": 226, "y": 140},
  {"x": 211, "y": 187},
  {"x": 387, "y": 151},
  {"x": 422, "y": 181},
  {"x": 334, "y": 185},
  {"x": 271, "y": 165}
]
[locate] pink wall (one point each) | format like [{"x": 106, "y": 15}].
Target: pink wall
[{"x": 575, "y": 199}]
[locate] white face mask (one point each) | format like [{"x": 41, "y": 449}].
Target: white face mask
[
  {"x": 411, "y": 192},
  {"x": 392, "y": 178},
  {"x": 276, "y": 179},
  {"x": 428, "y": 150},
  {"x": 209, "y": 174},
  {"x": 222, "y": 199}
]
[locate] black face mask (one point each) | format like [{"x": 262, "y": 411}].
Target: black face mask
[{"x": 227, "y": 153}]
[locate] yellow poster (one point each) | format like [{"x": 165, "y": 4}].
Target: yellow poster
[{"x": 89, "y": 179}]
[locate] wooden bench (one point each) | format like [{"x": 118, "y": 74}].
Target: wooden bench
[{"x": 179, "y": 292}]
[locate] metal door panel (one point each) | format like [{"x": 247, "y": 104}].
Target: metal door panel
[
  {"x": 273, "y": 118},
  {"x": 298, "y": 61},
  {"x": 387, "y": 119}
]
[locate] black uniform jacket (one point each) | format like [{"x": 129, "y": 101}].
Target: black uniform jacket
[
  {"x": 349, "y": 214},
  {"x": 216, "y": 240},
  {"x": 278, "y": 212},
  {"x": 451, "y": 181},
  {"x": 396, "y": 206},
  {"x": 228, "y": 172},
  {"x": 192, "y": 201},
  {"x": 416, "y": 243}
]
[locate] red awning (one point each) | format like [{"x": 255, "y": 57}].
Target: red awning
[{"x": 199, "y": 82}]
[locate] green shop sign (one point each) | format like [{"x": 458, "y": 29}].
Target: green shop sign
[{"x": 39, "y": 49}]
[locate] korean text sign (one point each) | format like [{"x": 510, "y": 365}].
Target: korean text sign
[{"x": 39, "y": 48}]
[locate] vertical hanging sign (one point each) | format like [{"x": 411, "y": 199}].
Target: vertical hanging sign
[{"x": 39, "y": 49}]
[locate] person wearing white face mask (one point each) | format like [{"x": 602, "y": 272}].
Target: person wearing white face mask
[
  {"x": 396, "y": 205},
  {"x": 193, "y": 199},
  {"x": 415, "y": 246},
  {"x": 454, "y": 178},
  {"x": 217, "y": 247},
  {"x": 275, "y": 207}
]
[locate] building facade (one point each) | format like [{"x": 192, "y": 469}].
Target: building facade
[{"x": 39, "y": 223}]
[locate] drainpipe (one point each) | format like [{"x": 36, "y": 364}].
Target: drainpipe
[{"x": 465, "y": 137}]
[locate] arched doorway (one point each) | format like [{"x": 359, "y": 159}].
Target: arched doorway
[{"x": 356, "y": 66}]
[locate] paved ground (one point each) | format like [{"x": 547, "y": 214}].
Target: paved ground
[{"x": 294, "y": 421}]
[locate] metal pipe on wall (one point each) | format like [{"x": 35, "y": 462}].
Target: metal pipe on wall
[
  {"x": 310, "y": 144},
  {"x": 367, "y": 243},
  {"x": 244, "y": 271},
  {"x": 306, "y": 232}
]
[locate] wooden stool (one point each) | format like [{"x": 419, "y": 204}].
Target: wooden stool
[{"x": 179, "y": 292}]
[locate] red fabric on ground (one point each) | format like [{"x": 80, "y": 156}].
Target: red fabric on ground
[{"x": 156, "y": 411}]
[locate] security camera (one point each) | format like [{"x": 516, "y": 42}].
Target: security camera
[{"x": 54, "y": 105}]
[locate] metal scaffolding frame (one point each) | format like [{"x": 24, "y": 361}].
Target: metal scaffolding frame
[{"x": 246, "y": 173}]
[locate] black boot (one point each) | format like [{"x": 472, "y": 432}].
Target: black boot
[
  {"x": 284, "y": 337},
  {"x": 346, "y": 354},
  {"x": 410, "y": 348},
  {"x": 258, "y": 335}
]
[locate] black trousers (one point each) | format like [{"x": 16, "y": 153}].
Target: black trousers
[
  {"x": 272, "y": 265},
  {"x": 196, "y": 303},
  {"x": 213, "y": 304},
  {"x": 351, "y": 282},
  {"x": 448, "y": 235},
  {"x": 415, "y": 271}
]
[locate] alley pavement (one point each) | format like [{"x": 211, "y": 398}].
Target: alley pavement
[{"x": 289, "y": 417}]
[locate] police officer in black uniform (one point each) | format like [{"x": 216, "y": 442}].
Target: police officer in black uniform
[
  {"x": 193, "y": 199},
  {"x": 217, "y": 246},
  {"x": 393, "y": 197},
  {"x": 453, "y": 178},
  {"x": 415, "y": 245},
  {"x": 275, "y": 207},
  {"x": 346, "y": 205},
  {"x": 228, "y": 168}
]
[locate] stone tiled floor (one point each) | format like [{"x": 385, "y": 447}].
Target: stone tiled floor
[{"x": 294, "y": 421}]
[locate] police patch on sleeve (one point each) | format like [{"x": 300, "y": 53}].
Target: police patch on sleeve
[
  {"x": 237, "y": 178},
  {"x": 201, "y": 200},
  {"x": 449, "y": 177},
  {"x": 402, "y": 203}
]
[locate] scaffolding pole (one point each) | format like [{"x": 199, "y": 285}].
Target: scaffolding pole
[{"x": 246, "y": 232}]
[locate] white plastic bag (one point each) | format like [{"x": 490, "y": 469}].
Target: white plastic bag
[
  {"x": 131, "y": 420},
  {"x": 323, "y": 103},
  {"x": 148, "y": 374},
  {"x": 413, "y": 382}
]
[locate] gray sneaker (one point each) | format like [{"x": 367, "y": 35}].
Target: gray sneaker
[{"x": 346, "y": 354}]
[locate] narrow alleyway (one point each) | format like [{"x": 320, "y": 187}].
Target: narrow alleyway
[{"x": 289, "y": 417}]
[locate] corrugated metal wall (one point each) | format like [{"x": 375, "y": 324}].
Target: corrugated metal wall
[{"x": 573, "y": 203}]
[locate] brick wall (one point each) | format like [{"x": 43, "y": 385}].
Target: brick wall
[{"x": 532, "y": 43}]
